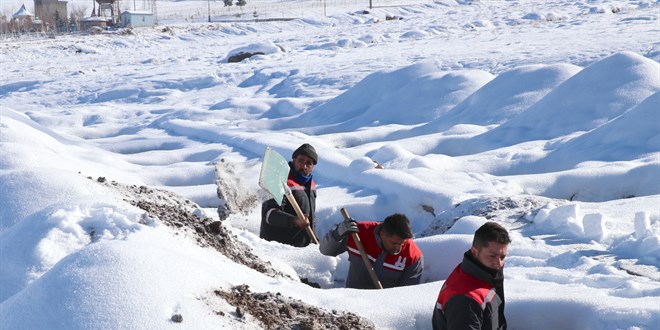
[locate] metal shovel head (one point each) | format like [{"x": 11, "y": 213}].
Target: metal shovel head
[{"x": 274, "y": 174}]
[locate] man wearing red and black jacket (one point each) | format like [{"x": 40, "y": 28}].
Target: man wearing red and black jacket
[
  {"x": 395, "y": 257},
  {"x": 280, "y": 223},
  {"x": 472, "y": 297}
]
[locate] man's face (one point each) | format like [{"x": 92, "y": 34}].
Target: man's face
[
  {"x": 392, "y": 244},
  {"x": 303, "y": 165},
  {"x": 492, "y": 255}
]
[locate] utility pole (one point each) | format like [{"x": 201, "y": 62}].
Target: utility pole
[
  {"x": 209, "y": 5},
  {"x": 154, "y": 11}
]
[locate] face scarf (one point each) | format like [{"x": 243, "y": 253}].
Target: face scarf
[{"x": 299, "y": 177}]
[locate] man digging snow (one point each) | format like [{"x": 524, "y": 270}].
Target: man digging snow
[{"x": 280, "y": 223}]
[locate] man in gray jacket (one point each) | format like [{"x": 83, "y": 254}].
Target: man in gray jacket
[{"x": 396, "y": 258}]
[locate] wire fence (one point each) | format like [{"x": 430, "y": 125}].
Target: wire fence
[
  {"x": 215, "y": 11},
  {"x": 171, "y": 12}
]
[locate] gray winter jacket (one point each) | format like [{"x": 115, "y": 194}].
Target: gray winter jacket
[{"x": 402, "y": 269}]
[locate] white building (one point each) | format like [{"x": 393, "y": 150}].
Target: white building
[{"x": 131, "y": 18}]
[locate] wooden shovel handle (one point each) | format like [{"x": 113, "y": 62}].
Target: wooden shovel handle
[
  {"x": 301, "y": 215},
  {"x": 363, "y": 254}
]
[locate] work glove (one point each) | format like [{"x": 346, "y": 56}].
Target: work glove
[{"x": 348, "y": 226}]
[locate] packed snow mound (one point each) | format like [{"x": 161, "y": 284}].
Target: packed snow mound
[
  {"x": 590, "y": 98},
  {"x": 507, "y": 95},
  {"x": 46, "y": 143},
  {"x": 633, "y": 135},
  {"x": 25, "y": 192},
  {"x": 32, "y": 153},
  {"x": 432, "y": 94},
  {"x": 107, "y": 292},
  {"x": 376, "y": 88},
  {"x": 59, "y": 231},
  {"x": 51, "y": 149},
  {"x": 528, "y": 103}
]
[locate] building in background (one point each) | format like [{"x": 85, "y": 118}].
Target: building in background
[
  {"x": 22, "y": 21},
  {"x": 94, "y": 21},
  {"x": 131, "y": 18}
]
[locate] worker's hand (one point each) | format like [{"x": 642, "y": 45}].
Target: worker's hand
[
  {"x": 348, "y": 226},
  {"x": 301, "y": 223}
]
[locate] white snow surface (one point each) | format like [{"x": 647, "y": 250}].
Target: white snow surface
[{"x": 460, "y": 102}]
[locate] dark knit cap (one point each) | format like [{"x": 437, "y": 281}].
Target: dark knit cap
[{"x": 306, "y": 150}]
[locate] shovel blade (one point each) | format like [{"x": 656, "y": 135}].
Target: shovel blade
[{"x": 274, "y": 174}]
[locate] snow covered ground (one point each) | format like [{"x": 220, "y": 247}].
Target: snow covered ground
[{"x": 541, "y": 115}]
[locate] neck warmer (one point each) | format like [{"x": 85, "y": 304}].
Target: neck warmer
[
  {"x": 299, "y": 177},
  {"x": 497, "y": 276}
]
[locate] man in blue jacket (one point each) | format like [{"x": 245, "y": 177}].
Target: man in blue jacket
[
  {"x": 472, "y": 297},
  {"x": 280, "y": 223}
]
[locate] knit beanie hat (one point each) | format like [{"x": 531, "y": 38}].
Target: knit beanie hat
[{"x": 306, "y": 150}]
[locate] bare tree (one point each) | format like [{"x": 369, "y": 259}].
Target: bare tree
[
  {"x": 77, "y": 14},
  {"x": 4, "y": 23}
]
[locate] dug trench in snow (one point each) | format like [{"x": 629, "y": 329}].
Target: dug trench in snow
[
  {"x": 277, "y": 312},
  {"x": 179, "y": 213},
  {"x": 236, "y": 198}
]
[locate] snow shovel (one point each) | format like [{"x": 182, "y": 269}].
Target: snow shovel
[
  {"x": 273, "y": 177},
  {"x": 363, "y": 254}
]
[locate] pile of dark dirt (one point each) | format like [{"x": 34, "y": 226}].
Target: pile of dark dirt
[
  {"x": 275, "y": 311},
  {"x": 272, "y": 310},
  {"x": 178, "y": 212}
]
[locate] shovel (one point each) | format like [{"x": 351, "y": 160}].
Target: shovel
[
  {"x": 363, "y": 254},
  {"x": 273, "y": 177}
]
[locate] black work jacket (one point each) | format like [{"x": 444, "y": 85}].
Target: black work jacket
[
  {"x": 472, "y": 298},
  {"x": 277, "y": 221}
]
